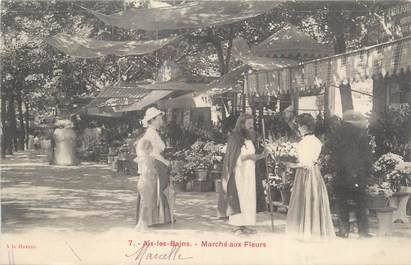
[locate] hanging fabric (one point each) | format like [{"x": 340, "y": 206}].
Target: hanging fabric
[
  {"x": 80, "y": 47},
  {"x": 189, "y": 15}
]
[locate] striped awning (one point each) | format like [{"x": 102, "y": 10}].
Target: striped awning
[{"x": 378, "y": 61}]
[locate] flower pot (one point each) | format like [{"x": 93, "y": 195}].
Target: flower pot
[
  {"x": 201, "y": 174},
  {"x": 378, "y": 201},
  {"x": 285, "y": 196},
  {"x": 180, "y": 186}
]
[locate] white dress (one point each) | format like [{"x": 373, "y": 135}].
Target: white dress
[
  {"x": 245, "y": 183},
  {"x": 309, "y": 216},
  {"x": 153, "y": 184},
  {"x": 65, "y": 140}
]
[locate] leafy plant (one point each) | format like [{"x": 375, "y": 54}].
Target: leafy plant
[
  {"x": 391, "y": 131},
  {"x": 400, "y": 176},
  {"x": 386, "y": 164}
]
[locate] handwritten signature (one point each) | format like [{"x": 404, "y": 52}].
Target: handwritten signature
[{"x": 143, "y": 254}]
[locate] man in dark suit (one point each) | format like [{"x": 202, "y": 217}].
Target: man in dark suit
[{"x": 351, "y": 159}]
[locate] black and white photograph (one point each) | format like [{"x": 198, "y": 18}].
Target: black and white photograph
[{"x": 205, "y": 132}]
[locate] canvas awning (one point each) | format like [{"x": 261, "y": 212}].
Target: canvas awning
[
  {"x": 230, "y": 82},
  {"x": 131, "y": 91},
  {"x": 175, "y": 86},
  {"x": 382, "y": 60},
  {"x": 80, "y": 47},
  {"x": 292, "y": 43},
  {"x": 189, "y": 15},
  {"x": 242, "y": 52},
  {"x": 148, "y": 100},
  {"x": 94, "y": 108},
  {"x": 187, "y": 101}
]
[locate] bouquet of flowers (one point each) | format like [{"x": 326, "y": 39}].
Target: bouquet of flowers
[
  {"x": 282, "y": 150},
  {"x": 273, "y": 181}
]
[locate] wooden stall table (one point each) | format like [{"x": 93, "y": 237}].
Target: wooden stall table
[{"x": 399, "y": 202}]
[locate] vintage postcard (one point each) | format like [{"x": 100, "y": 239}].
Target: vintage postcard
[{"x": 205, "y": 132}]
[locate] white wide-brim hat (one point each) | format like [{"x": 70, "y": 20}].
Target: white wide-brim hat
[{"x": 151, "y": 113}]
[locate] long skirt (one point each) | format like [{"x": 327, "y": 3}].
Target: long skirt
[
  {"x": 309, "y": 216},
  {"x": 246, "y": 188},
  {"x": 152, "y": 203}
]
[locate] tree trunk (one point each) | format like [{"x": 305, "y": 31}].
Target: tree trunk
[
  {"x": 229, "y": 49},
  {"x": 3, "y": 125},
  {"x": 224, "y": 63},
  {"x": 21, "y": 134},
  {"x": 27, "y": 129},
  {"x": 336, "y": 24},
  {"x": 11, "y": 130}
]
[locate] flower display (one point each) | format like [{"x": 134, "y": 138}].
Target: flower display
[
  {"x": 400, "y": 176},
  {"x": 273, "y": 180},
  {"x": 380, "y": 189},
  {"x": 200, "y": 155},
  {"x": 282, "y": 149},
  {"x": 386, "y": 164}
]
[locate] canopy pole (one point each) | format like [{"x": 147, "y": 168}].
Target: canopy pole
[{"x": 270, "y": 202}]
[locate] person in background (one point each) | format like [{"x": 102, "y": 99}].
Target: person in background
[
  {"x": 309, "y": 216},
  {"x": 351, "y": 160},
  {"x": 161, "y": 213},
  {"x": 65, "y": 143},
  {"x": 237, "y": 198},
  {"x": 36, "y": 141}
]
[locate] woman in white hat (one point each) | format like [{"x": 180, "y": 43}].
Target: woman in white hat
[{"x": 154, "y": 176}]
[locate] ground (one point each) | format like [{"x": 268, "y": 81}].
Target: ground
[{"x": 92, "y": 201}]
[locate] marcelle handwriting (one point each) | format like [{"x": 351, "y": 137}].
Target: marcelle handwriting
[{"x": 143, "y": 253}]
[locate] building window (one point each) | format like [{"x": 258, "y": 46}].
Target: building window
[{"x": 396, "y": 94}]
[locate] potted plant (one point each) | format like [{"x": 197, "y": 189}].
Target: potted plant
[
  {"x": 378, "y": 195},
  {"x": 400, "y": 177},
  {"x": 197, "y": 161},
  {"x": 178, "y": 175}
]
